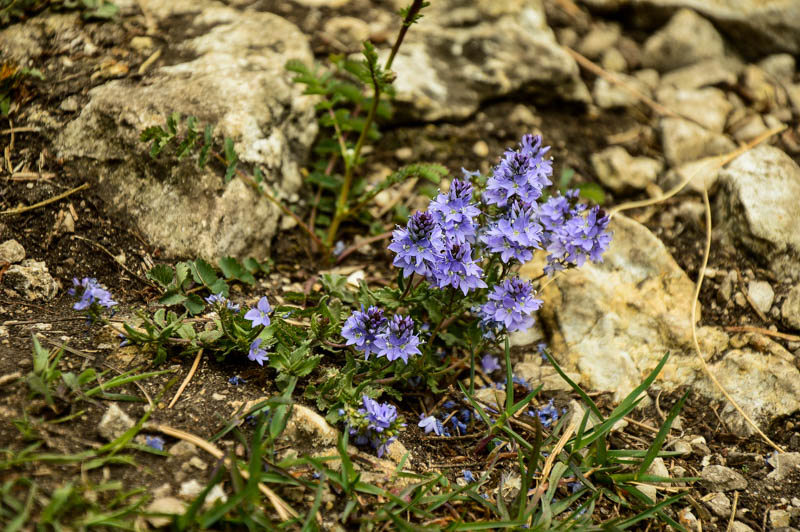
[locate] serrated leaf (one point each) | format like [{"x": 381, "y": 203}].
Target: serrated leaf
[
  {"x": 172, "y": 298},
  {"x": 162, "y": 274},
  {"x": 194, "y": 304},
  {"x": 209, "y": 337},
  {"x": 203, "y": 272},
  {"x": 233, "y": 269},
  {"x": 172, "y": 123}
]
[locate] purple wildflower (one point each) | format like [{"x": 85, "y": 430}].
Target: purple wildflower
[
  {"x": 455, "y": 211},
  {"x": 514, "y": 234},
  {"x": 93, "y": 293},
  {"x": 257, "y": 354},
  {"x": 511, "y": 304},
  {"x": 458, "y": 269},
  {"x": 489, "y": 363},
  {"x": 468, "y": 476},
  {"x": 380, "y": 415},
  {"x": 399, "y": 340},
  {"x": 431, "y": 424},
  {"x": 363, "y": 328},
  {"x": 418, "y": 245},
  {"x": 154, "y": 442},
  {"x": 236, "y": 380},
  {"x": 579, "y": 238},
  {"x": 521, "y": 174},
  {"x": 220, "y": 299},
  {"x": 259, "y": 314}
]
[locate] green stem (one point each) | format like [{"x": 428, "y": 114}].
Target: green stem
[{"x": 351, "y": 160}]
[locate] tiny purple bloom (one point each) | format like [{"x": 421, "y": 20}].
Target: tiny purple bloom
[
  {"x": 154, "y": 442},
  {"x": 431, "y": 424},
  {"x": 489, "y": 363},
  {"x": 399, "y": 340},
  {"x": 260, "y": 314},
  {"x": 363, "y": 328},
  {"x": 257, "y": 354}
]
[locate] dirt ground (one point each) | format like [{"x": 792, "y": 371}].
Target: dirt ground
[{"x": 99, "y": 240}]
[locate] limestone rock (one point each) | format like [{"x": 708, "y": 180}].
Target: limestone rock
[
  {"x": 684, "y": 141},
  {"x": 757, "y": 26},
  {"x": 308, "y": 426},
  {"x": 709, "y": 107},
  {"x": 785, "y": 464},
  {"x": 720, "y": 505},
  {"x": 114, "y": 423},
  {"x": 756, "y": 207},
  {"x": 762, "y": 294},
  {"x": 721, "y": 478},
  {"x": 717, "y": 71},
  {"x": 32, "y": 279},
  {"x": 599, "y": 39},
  {"x": 236, "y": 81},
  {"x": 11, "y": 251},
  {"x": 686, "y": 39},
  {"x": 164, "y": 505},
  {"x": 461, "y": 54},
  {"x": 608, "y": 95},
  {"x": 620, "y": 172},
  {"x": 614, "y": 321},
  {"x": 700, "y": 174},
  {"x": 538, "y": 373},
  {"x": 790, "y": 310}
]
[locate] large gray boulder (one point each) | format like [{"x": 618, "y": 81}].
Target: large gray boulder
[
  {"x": 757, "y": 26},
  {"x": 235, "y": 78},
  {"x": 462, "y": 53},
  {"x": 756, "y": 207}
]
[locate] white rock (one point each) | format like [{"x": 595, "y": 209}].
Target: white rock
[
  {"x": 538, "y": 373},
  {"x": 190, "y": 489},
  {"x": 790, "y": 310},
  {"x": 620, "y": 172},
  {"x": 685, "y": 141},
  {"x": 779, "y": 66},
  {"x": 721, "y": 478},
  {"x": 613, "y": 61},
  {"x": 700, "y": 174},
  {"x": 350, "y": 31},
  {"x": 461, "y": 54},
  {"x": 756, "y": 208},
  {"x": 762, "y": 295},
  {"x": 785, "y": 464},
  {"x": 11, "y": 251},
  {"x": 114, "y": 423},
  {"x": 686, "y": 39},
  {"x": 164, "y": 505},
  {"x": 720, "y": 505},
  {"x": 608, "y": 95},
  {"x": 599, "y": 39},
  {"x": 183, "y": 449},
  {"x": 236, "y": 81},
  {"x": 308, "y": 426},
  {"x": 717, "y": 71},
  {"x": 709, "y": 107}
]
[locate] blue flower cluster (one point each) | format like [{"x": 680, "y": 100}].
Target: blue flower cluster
[
  {"x": 375, "y": 424},
  {"x": 369, "y": 331},
  {"x": 93, "y": 294},
  {"x": 459, "y": 420},
  {"x": 447, "y": 243}
]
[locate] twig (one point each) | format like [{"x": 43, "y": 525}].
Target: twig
[
  {"x": 187, "y": 379},
  {"x": 706, "y": 253},
  {"x": 19, "y": 130},
  {"x": 766, "y": 332},
  {"x": 149, "y": 61},
  {"x": 285, "y": 511},
  {"x": 119, "y": 262},
  {"x": 352, "y": 249},
  {"x": 611, "y": 78},
  {"x": 733, "y": 511},
  {"x": 5, "y": 379},
  {"x": 20, "y": 210},
  {"x": 31, "y": 176}
]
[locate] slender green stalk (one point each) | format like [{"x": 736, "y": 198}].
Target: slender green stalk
[{"x": 351, "y": 159}]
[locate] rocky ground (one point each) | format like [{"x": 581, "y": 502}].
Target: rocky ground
[{"x": 635, "y": 96}]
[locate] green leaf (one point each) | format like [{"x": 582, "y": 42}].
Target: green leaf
[
  {"x": 161, "y": 274},
  {"x": 233, "y": 269},
  {"x": 194, "y": 304},
  {"x": 592, "y": 192},
  {"x": 231, "y": 159},
  {"x": 209, "y": 337},
  {"x": 203, "y": 272},
  {"x": 172, "y": 298}
]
